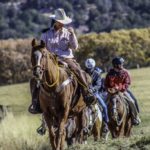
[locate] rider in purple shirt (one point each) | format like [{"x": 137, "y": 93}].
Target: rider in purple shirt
[{"x": 62, "y": 42}]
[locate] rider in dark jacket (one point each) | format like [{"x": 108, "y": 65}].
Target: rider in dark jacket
[{"x": 96, "y": 86}]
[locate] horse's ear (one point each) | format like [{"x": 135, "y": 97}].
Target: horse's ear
[
  {"x": 33, "y": 43},
  {"x": 42, "y": 43}
]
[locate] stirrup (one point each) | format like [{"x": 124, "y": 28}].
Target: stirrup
[
  {"x": 135, "y": 122},
  {"x": 34, "y": 110},
  {"x": 41, "y": 130}
]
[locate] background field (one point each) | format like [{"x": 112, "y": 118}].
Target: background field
[{"x": 18, "y": 130}]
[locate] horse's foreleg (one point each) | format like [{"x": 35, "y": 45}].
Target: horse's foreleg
[
  {"x": 52, "y": 135},
  {"x": 96, "y": 130},
  {"x": 63, "y": 139},
  {"x": 84, "y": 127},
  {"x": 120, "y": 132},
  {"x": 128, "y": 127},
  {"x": 62, "y": 131}
]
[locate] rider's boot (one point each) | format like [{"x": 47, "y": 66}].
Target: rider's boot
[
  {"x": 34, "y": 108},
  {"x": 87, "y": 91},
  {"x": 136, "y": 120},
  {"x": 88, "y": 96},
  {"x": 105, "y": 127}
]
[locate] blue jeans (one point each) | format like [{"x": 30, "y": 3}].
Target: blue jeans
[
  {"x": 104, "y": 106},
  {"x": 135, "y": 100}
]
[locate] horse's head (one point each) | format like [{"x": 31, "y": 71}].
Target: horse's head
[
  {"x": 116, "y": 107},
  {"x": 38, "y": 51}
]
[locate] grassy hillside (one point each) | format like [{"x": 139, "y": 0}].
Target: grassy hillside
[{"x": 18, "y": 130}]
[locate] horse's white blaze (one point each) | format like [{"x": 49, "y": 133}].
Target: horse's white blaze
[{"x": 38, "y": 54}]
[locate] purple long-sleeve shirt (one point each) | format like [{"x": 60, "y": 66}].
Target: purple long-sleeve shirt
[{"x": 60, "y": 42}]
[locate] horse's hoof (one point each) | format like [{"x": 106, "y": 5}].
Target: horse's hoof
[
  {"x": 105, "y": 135},
  {"x": 85, "y": 142}
]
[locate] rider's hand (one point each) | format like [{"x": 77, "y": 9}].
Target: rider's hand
[
  {"x": 71, "y": 30},
  {"x": 112, "y": 90},
  {"x": 117, "y": 87},
  {"x": 90, "y": 91}
]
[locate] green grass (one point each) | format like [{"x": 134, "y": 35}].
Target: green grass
[
  {"x": 17, "y": 96},
  {"x": 18, "y": 130}
]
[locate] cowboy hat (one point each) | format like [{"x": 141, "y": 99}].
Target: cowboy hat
[{"x": 60, "y": 16}]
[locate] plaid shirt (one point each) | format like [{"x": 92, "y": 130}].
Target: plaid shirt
[
  {"x": 120, "y": 79},
  {"x": 60, "y": 42}
]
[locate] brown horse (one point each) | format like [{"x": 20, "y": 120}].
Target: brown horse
[
  {"x": 87, "y": 123},
  {"x": 119, "y": 115},
  {"x": 59, "y": 93}
]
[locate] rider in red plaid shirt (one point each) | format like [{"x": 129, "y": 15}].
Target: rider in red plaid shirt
[{"x": 118, "y": 80}]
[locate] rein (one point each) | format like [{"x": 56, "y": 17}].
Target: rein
[
  {"x": 36, "y": 66},
  {"x": 124, "y": 112}
]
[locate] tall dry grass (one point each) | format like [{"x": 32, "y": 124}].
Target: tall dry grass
[{"x": 18, "y": 131}]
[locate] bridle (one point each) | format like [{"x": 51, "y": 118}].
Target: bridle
[
  {"x": 42, "y": 66},
  {"x": 114, "y": 110}
]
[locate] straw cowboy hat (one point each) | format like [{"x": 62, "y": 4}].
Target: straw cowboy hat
[{"x": 61, "y": 16}]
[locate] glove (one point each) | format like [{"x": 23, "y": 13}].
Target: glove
[{"x": 112, "y": 90}]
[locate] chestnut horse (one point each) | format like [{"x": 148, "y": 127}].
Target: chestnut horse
[
  {"x": 119, "y": 114},
  {"x": 59, "y": 93}
]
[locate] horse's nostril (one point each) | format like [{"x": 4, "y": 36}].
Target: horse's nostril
[{"x": 36, "y": 73}]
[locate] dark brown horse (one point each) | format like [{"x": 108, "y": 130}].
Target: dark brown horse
[
  {"x": 59, "y": 93},
  {"x": 119, "y": 115}
]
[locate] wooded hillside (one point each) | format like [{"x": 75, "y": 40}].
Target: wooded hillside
[{"x": 24, "y": 18}]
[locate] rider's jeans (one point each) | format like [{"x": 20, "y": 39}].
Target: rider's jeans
[
  {"x": 104, "y": 106},
  {"x": 135, "y": 100},
  {"x": 131, "y": 104}
]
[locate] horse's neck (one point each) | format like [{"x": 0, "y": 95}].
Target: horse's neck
[{"x": 52, "y": 73}]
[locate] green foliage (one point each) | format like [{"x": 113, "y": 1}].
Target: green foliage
[
  {"x": 133, "y": 45},
  {"x": 15, "y": 60},
  {"x": 17, "y": 23}
]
